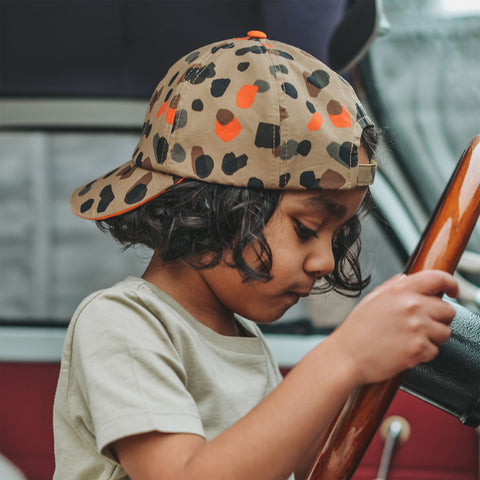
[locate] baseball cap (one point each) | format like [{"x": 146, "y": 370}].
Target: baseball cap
[{"x": 246, "y": 112}]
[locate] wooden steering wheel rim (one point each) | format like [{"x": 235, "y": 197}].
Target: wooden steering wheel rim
[{"x": 440, "y": 247}]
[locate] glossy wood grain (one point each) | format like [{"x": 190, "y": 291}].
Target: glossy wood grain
[{"x": 440, "y": 247}]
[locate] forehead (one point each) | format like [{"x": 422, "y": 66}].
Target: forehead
[{"x": 341, "y": 204}]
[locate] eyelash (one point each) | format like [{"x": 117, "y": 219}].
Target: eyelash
[{"x": 303, "y": 232}]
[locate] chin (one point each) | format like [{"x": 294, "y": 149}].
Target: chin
[{"x": 264, "y": 317}]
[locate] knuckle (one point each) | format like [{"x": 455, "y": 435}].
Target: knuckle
[
  {"x": 411, "y": 305},
  {"x": 415, "y": 324},
  {"x": 423, "y": 352}
]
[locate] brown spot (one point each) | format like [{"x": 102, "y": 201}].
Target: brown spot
[
  {"x": 191, "y": 66},
  {"x": 331, "y": 180},
  {"x": 175, "y": 101},
  {"x": 155, "y": 97},
  {"x": 147, "y": 164},
  {"x": 313, "y": 91},
  {"x": 125, "y": 172},
  {"x": 146, "y": 179},
  {"x": 334, "y": 108},
  {"x": 224, "y": 116},
  {"x": 196, "y": 152},
  {"x": 283, "y": 113}
]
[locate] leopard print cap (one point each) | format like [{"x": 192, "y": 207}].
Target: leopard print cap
[{"x": 247, "y": 112}]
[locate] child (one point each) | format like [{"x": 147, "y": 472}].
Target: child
[{"x": 253, "y": 161}]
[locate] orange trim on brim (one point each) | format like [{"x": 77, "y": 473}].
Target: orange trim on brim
[{"x": 116, "y": 214}]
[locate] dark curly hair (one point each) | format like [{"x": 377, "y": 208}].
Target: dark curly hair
[{"x": 198, "y": 222}]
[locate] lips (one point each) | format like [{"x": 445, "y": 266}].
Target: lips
[
  {"x": 301, "y": 292},
  {"x": 297, "y": 294}
]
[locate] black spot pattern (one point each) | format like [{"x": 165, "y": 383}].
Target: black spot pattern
[
  {"x": 172, "y": 79},
  {"x": 241, "y": 67},
  {"x": 85, "y": 206},
  {"x": 178, "y": 153},
  {"x": 262, "y": 85},
  {"x": 203, "y": 166},
  {"x": 147, "y": 128},
  {"x": 346, "y": 153},
  {"x": 106, "y": 198},
  {"x": 219, "y": 86},
  {"x": 136, "y": 194},
  {"x": 231, "y": 163},
  {"x": 310, "y": 106},
  {"x": 257, "y": 49},
  {"x": 288, "y": 149},
  {"x": 284, "y": 179},
  {"x": 309, "y": 181},
  {"x": 88, "y": 186},
  {"x": 197, "y": 75},
  {"x": 181, "y": 117},
  {"x": 112, "y": 172},
  {"x": 284, "y": 54},
  {"x": 290, "y": 90},
  {"x": 319, "y": 79},
  {"x": 278, "y": 68},
  {"x": 160, "y": 147},
  {"x": 254, "y": 182},
  {"x": 191, "y": 57},
  {"x": 224, "y": 45},
  {"x": 267, "y": 136},
  {"x": 138, "y": 160},
  {"x": 304, "y": 148},
  {"x": 197, "y": 105}
]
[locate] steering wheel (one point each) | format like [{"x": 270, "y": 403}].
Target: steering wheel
[{"x": 440, "y": 247}]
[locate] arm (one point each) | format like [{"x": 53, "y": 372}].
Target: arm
[{"x": 402, "y": 322}]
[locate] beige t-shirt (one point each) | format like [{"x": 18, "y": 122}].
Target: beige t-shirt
[{"x": 135, "y": 361}]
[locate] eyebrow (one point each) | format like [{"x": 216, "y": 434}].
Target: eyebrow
[{"x": 319, "y": 203}]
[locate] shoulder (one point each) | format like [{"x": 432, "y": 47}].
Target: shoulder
[
  {"x": 131, "y": 309},
  {"x": 132, "y": 297}
]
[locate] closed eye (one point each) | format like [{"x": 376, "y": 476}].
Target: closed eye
[{"x": 304, "y": 232}]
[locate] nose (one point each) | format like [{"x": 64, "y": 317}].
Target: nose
[{"x": 320, "y": 260}]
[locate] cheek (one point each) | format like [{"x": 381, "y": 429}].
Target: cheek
[{"x": 287, "y": 253}]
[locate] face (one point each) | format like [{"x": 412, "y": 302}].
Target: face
[{"x": 300, "y": 234}]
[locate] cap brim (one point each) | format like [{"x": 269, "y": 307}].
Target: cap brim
[{"x": 119, "y": 191}]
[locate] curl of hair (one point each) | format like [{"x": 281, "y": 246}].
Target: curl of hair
[
  {"x": 198, "y": 222},
  {"x": 202, "y": 224}
]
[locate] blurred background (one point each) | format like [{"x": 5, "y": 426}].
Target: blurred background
[{"x": 75, "y": 80}]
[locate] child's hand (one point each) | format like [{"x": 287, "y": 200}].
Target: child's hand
[{"x": 400, "y": 324}]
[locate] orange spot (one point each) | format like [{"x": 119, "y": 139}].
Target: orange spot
[
  {"x": 170, "y": 115},
  {"x": 256, "y": 34},
  {"x": 162, "y": 108},
  {"x": 229, "y": 131},
  {"x": 267, "y": 45},
  {"x": 341, "y": 120},
  {"x": 246, "y": 95},
  {"x": 241, "y": 38},
  {"x": 316, "y": 121}
]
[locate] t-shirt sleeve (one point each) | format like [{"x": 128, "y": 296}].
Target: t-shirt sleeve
[{"x": 129, "y": 374}]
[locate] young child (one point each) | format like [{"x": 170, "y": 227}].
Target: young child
[{"x": 253, "y": 162}]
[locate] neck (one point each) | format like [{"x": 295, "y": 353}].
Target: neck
[{"x": 188, "y": 288}]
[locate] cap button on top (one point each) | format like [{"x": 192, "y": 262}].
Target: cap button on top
[{"x": 256, "y": 34}]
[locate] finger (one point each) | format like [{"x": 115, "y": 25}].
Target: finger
[
  {"x": 439, "y": 310},
  {"x": 423, "y": 352},
  {"x": 385, "y": 285},
  {"x": 433, "y": 282},
  {"x": 439, "y": 333}
]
